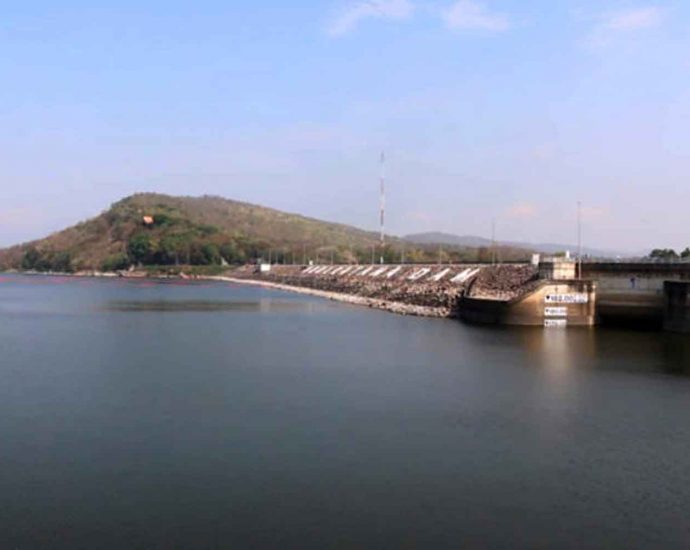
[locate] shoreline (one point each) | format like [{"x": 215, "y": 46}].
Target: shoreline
[{"x": 399, "y": 308}]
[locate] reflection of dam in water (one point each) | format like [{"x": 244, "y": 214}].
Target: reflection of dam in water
[{"x": 550, "y": 294}]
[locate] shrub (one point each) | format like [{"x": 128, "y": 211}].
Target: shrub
[{"x": 115, "y": 262}]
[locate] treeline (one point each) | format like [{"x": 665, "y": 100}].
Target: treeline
[
  {"x": 151, "y": 249},
  {"x": 35, "y": 260},
  {"x": 669, "y": 254}
]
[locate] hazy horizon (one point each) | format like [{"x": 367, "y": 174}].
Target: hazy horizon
[{"x": 501, "y": 110}]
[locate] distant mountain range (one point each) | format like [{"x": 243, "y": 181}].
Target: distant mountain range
[{"x": 437, "y": 237}]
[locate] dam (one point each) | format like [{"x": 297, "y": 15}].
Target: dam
[
  {"x": 636, "y": 293},
  {"x": 553, "y": 293}
]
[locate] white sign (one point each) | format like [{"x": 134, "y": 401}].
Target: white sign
[
  {"x": 555, "y": 311},
  {"x": 578, "y": 298},
  {"x": 555, "y": 323}
]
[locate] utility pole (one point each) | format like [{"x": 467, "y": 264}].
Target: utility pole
[
  {"x": 579, "y": 240},
  {"x": 493, "y": 241},
  {"x": 332, "y": 256},
  {"x": 373, "y": 253},
  {"x": 304, "y": 254},
  {"x": 382, "y": 204}
]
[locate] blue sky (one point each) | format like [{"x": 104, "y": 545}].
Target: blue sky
[{"x": 512, "y": 110}]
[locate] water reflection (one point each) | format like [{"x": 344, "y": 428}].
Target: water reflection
[
  {"x": 162, "y": 306},
  {"x": 200, "y": 423},
  {"x": 675, "y": 350},
  {"x": 561, "y": 351}
]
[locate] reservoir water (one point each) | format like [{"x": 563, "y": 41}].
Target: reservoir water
[{"x": 142, "y": 414}]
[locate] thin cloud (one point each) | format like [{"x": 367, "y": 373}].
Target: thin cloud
[
  {"x": 19, "y": 217},
  {"x": 591, "y": 213},
  {"x": 624, "y": 23},
  {"x": 348, "y": 20},
  {"x": 422, "y": 216},
  {"x": 521, "y": 211},
  {"x": 469, "y": 15},
  {"x": 635, "y": 19}
]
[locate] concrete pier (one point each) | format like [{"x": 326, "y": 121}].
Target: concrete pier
[
  {"x": 676, "y": 306},
  {"x": 633, "y": 293}
]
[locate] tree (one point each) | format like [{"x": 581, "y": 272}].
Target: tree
[
  {"x": 210, "y": 253},
  {"x": 171, "y": 249},
  {"x": 115, "y": 262},
  {"x": 203, "y": 253},
  {"x": 663, "y": 254},
  {"x": 232, "y": 253},
  {"x": 686, "y": 253},
  {"x": 162, "y": 220},
  {"x": 140, "y": 248},
  {"x": 31, "y": 258},
  {"x": 62, "y": 262}
]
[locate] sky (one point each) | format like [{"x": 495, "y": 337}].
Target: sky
[{"x": 500, "y": 110}]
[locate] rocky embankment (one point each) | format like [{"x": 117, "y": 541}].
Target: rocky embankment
[
  {"x": 430, "y": 290},
  {"x": 503, "y": 282}
]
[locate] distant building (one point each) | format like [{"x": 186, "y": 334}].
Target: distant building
[{"x": 148, "y": 220}]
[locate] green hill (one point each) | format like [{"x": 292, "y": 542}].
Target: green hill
[{"x": 161, "y": 230}]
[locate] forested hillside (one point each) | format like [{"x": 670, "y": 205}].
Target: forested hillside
[{"x": 153, "y": 229}]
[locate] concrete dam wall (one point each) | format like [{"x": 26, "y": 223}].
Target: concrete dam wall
[
  {"x": 506, "y": 294},
  {"x": 633, "y": 292},
  {"x": 550, "y": 294}
]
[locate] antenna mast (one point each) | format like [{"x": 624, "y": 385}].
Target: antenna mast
[
  {"x": 579, "y": 240},
  {"x": 493, "y": 241},
  {"x": 382, "y": 203}
]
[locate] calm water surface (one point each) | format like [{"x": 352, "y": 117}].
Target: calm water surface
[{"x": 136, "y": 414}]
